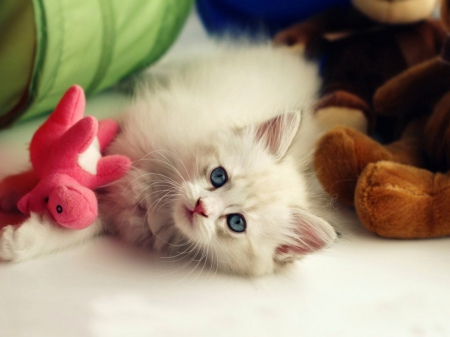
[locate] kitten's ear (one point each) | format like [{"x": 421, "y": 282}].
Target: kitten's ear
[
  {"x": 278, "y": 133},
  {"x": 311, "y": 233}
]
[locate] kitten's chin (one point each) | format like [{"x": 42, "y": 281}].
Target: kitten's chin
[
  {"x": 187, "y": 222},
  {"x": 184, "y": 222}
]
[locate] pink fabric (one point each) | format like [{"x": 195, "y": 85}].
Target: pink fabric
[{"x": 65, "y": 188}]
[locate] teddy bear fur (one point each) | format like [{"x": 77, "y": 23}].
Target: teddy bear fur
[
  {"x": 402, "y": 189},
  {"x": 361, "y": 47}
]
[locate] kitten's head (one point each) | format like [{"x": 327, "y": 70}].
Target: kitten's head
[{"x": 244, "y": 202}]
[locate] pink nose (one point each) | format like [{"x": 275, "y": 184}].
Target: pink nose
[{"x": 200, "y": 208}]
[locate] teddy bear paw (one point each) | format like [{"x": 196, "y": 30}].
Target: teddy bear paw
[{"x": 404, "y": 202}]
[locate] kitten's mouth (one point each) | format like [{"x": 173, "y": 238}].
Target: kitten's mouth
[{"x": 189, "y": 215}]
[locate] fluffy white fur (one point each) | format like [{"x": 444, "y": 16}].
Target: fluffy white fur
[
  {"x": 39, "y": 235},
  {"x": 244, "y": 108},
  {"x": 219, "y": 111}
]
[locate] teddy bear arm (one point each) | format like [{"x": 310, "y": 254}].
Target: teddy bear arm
[
  {"x": 343, "y": 153},
  {"x": 437, "y": 135},
  {"x": 416, "y": 87},
  {"x": 409, "y": 149},
  {"x": 438, "y": 32}
]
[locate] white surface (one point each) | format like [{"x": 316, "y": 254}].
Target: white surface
[{"x": 363, "y": 286}]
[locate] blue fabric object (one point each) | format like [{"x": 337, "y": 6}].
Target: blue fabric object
[{"x": 256, "y": 16}]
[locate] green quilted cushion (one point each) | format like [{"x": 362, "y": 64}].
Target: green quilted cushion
[{"x": 48, "y": 45}]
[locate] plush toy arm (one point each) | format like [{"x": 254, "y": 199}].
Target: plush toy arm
[
  {"x": 437, "y": 135},
  {"x": 415, "y": 88},
  {"x": 107, "y": 129},
  {"x": 438, "y": 33},
  {"x": 110, "y": 168}
]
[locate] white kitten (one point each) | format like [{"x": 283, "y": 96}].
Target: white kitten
[{"x": 222, "y": 149}]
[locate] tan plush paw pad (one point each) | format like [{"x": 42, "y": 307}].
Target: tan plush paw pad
[{"x": 400, "y": 201}]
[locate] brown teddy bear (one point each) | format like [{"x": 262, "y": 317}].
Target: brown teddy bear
[
  {"x": 400, "y": 190},
  {"x": 361, "y": 47}
]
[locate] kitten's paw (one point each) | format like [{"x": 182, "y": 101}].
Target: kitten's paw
[
  {"x": 22, "y": 242},
  {"x": 9, "y": 247}
]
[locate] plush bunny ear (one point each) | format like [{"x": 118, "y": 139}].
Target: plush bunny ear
[
  {"x": 310, "y": 234},
  {"x": 278, "y": 133},
  {"x": 70, "y": 108}
]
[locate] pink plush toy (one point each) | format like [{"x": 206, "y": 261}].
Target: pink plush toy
[{"x": 65, "y": 154}]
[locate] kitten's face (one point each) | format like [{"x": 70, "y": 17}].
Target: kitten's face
[{"x": 245, "y": 205}]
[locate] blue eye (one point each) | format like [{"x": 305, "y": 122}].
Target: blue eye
[
  {"x": 236, "y": 223},
  {"x": 218, "y": 177}
]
